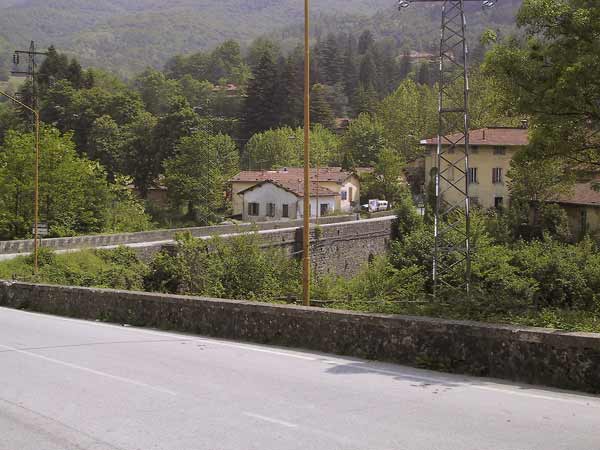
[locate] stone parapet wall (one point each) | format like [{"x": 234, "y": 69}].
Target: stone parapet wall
[
  {"x": 532, "y": 355},
  {"x": 106, "y": 240}
]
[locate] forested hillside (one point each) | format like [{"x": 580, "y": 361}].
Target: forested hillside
[{"x": 128, "y": 35}]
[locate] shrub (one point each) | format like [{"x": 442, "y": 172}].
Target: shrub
[
  {"x": 232, "y": 268},
  {"x": 117, "y": 269}
]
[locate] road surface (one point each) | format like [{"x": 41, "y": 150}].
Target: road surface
[{"x": 68, "y": 384}]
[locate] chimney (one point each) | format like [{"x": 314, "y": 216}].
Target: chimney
[
  {"x": 483, "y": 138},
  {"x": 524, "y": 124}
]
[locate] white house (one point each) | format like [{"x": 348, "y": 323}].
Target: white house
[
  {"x": 343, "y": 183},
  {"x": 278, "y": 200}
]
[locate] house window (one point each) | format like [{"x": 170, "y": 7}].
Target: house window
[
  {"x": 285, "y": 211},
  {"x": 344, "y": 195},
  {"x": 584, "y": 222},
  {"x": 497, "y": 175},
  {"x": 253, "y": 209},
  {"x": 499, "y": 150},
  {"x": 498, "y": 202},
  {"x": 473, "y": 175},
  {"x": 324, "y": 209},
  {"x": 270, "y": 209}
]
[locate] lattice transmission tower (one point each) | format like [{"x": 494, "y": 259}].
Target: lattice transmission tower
[
  {"x": 452, "y": 225},
  {"x": 31, "y": 71}
]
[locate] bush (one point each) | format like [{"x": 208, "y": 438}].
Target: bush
[
  {"x": 117, "y": 269},
  {"x": 234, "y": 268}
]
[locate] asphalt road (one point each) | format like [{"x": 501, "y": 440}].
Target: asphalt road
[{"x": 68, "y": 384}]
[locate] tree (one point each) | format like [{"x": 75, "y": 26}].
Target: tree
[
  {"x": 368, "y": 71},
  {"x": 534, "y": 186},
  {"x": 362, "y": 142},
  {"x": 179, "y": 122},
  {"x": 553, "y": 77},
  {"x": 198, "y": 172},
  {"x": 57, "y": 66},
  {"x": 292, "y": 102},
  {"x": 104, "y": 145},
  {"x": 350, "y": 71},
  {"x": 142, "y": 158},
  {"x": 386, "y": 181},
  {"x": 261, "y": 108},
  {"x": 320, "y": 109},
  {"x": 75, "y": 195},
  {"x": 284, "y": 147},
  {"x": 330, "y": 61},
  {"x": 156, "y": 91},
  {"x": 364, "y": 100},
  {"x": 407, "y": 115}
]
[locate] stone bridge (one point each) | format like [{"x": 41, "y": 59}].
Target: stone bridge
[{"x": 340, "y": 244}]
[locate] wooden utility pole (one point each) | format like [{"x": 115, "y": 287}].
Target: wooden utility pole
[{"x": 306, "y": 230}]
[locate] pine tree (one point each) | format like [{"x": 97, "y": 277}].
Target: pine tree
[
  {"x": 320, "y": 109},
  {"x": 350, "y": 70},
  {"x": 368, "y": 71},
  {"x": 331, "y": 62},
  {"x": 365, "y": 100},
  {"x": 261, "y": 108},
  {"x": 293, "y": 90}
]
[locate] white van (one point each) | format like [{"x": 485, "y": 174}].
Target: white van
[{"x": 378, "y": 205}]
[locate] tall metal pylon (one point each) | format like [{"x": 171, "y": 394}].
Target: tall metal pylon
[
  {"x": 30, "y": 73},
  {"x": 452, "y": 223}
]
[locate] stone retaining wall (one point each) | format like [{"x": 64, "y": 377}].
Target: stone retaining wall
[{"x": 532, "y": 355}]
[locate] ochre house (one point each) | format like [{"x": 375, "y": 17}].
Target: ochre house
[
  {"x": 339, "y": 190},
  {"x": 491, "y": 151}
]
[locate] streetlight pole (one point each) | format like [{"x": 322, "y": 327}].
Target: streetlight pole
[
  {"x": 306, "y": 230},
  {"x": 36, "y": 180}
]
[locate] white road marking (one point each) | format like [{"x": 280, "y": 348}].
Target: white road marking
[
  {"x": 271, "y": 420},
  {"x": 88, "y": 370},
  {"x": 592, "y": 401}
]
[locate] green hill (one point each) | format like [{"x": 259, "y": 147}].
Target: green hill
[{"x": 129, "y": 35}]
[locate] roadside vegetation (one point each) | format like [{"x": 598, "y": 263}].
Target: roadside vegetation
[{"x": 537, "y": 282}]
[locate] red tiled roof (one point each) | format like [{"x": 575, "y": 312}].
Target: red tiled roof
[
  {"x": 582, "y": 194},
  {"x": 296, "y": 187},
  {"x": 334, "y": 174},
  {"x": 490, "y": 136}
]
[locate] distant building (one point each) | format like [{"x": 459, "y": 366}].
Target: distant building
[
  {"x": 229, "y": 89},
  {"x": 582, "y": 206},
  {"x": 341, "y": 125},
  {"x": 280, "y": 200},
  {"x": 492, "y": 150},
  {"x": 343, "y": 185}
]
